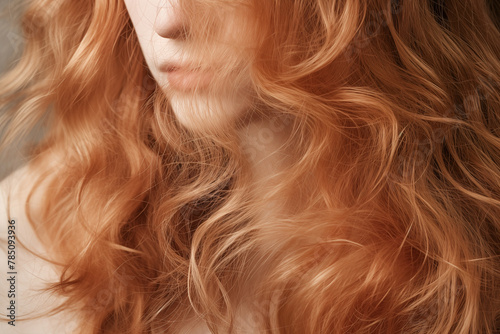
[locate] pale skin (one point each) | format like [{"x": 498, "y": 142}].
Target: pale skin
[{"x": 158, "y": 26}]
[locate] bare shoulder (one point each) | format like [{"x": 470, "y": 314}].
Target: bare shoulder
[
  {"x": 14, "y": 191},
  {"x": 26, "y": 274},
  {"x": 13, "y": 195}
]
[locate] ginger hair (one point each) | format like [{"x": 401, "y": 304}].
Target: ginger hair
[{"x": 391, "y": 218}]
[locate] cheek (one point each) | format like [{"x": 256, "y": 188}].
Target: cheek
[
  {"x": 204, "y": 114},
  {"x": 133, "y": 9},
  {"x": 142, "y": 14}
]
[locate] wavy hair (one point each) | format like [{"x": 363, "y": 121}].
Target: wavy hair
[{"x": 389, "y": 212}]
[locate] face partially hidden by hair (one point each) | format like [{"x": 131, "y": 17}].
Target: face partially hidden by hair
[{"x": 199, "y": 56}]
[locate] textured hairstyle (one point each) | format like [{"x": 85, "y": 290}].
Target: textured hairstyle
[{"x": 389, "y": 217}]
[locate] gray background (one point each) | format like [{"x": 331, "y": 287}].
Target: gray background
[{"x": 11, "y": 46}]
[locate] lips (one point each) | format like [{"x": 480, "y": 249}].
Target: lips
[{"x": 186, "y": 78}]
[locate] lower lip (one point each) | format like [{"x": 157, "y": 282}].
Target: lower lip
[{"x": 183, "y": 80}]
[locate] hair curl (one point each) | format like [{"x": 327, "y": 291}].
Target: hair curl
[{"x": 389, "y": 212}]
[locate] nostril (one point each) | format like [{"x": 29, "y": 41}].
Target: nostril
[
  {"x": 169, "y": 23},
  {"x": 177, "y": 33}
]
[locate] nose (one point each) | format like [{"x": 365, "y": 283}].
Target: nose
[{"x": 169, "y": 23}]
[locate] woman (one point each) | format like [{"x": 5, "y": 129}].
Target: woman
[{"x": 303, "y": 166}]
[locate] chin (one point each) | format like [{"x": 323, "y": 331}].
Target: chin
[{"x": 200, "y": 113}]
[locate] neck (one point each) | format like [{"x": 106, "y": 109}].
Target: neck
[{"x": 265, "y": 142}]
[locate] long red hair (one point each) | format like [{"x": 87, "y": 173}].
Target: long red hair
[{"x": 389, "y": 215}]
